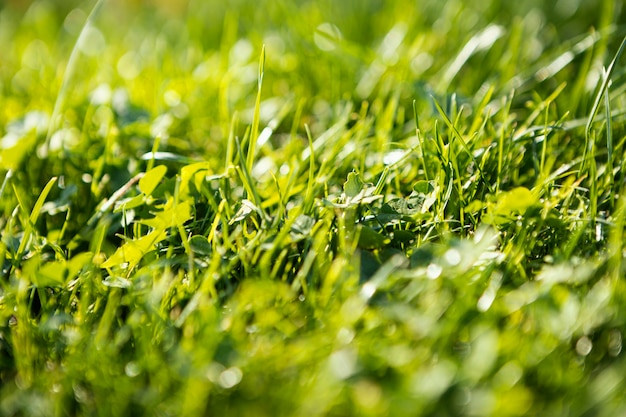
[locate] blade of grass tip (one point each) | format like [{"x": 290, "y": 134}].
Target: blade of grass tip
[
  {"x": 66, "y": 223},
  {"x": 308, "y": 197},
  {"x": 596, "y": 104},
  {"x": 34, "y": 215},
  {"x": 453, "y": 109},
  {"x": 441, "y": 147},
  {"x": 71, "y": 68},
  {"x": 443, "y": 202},
  {"x": 254, "y": 134},
  {"x": 420, "y": 140},
  {"x": 5, "y": 181},
  {"x": 381, "y": 181},
  {"x": 458, "y": 136},
  {"x": 480, "y": 108},
  {"x": 155, "y": 148},
  {"x": 296, "y": 118},
  {"x": 27, "y": 226},
  {"x": 280, "y": 215}
]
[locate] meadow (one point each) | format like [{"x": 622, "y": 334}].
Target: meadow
[{"x": 315, "y": 208}]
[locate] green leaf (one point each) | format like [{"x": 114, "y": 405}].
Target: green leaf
[
  {"x": 369, "y": 265},
  {"x": 172, "y": 215},
  {"x": 474, "y": 206},
  {"x": 192, "y": 177},
  {"x": 78, "y": 262},
  {"x": 508, "y": 204},
  {"x": 52, "y": 274},
  {"x": 132, "y": 252},
  {"x": 353, "y": 186},
  {"x": 45, "y": 274},
  {"x": 130, "y": 203},
  {"x": 422, "y": 256},
  {"x": 370, "y": 239},
  {"x": 424, "y": 187},
  {"x": 151, "y": 179},
  {"x": 200, "y": 245},
  {"x": 518, "y": 200},
  {"x": 403, "y": 236}
]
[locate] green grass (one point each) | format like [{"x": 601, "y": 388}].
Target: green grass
[{"x": 312, "y": 208}]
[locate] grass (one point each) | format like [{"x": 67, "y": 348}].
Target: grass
[{"x": 297, "y": 208}]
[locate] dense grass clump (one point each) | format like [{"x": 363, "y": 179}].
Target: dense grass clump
[{"x": 312, "y": 208}]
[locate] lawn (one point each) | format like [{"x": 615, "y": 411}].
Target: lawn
[{"x": 312, "y": 208}]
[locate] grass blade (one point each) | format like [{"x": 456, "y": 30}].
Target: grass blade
[
  {"x": 606, "y": 79},
  {"x": 254, "y": 134}
]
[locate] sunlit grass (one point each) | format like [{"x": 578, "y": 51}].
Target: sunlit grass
[{"x": 329, "y": 208}]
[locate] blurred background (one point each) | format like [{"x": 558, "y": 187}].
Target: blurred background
[{"x": 201, "y": 57}]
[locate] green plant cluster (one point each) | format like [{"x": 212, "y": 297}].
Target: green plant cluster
[{"x": 312, "y": 208}]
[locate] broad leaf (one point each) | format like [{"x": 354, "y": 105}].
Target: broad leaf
[
  {"x": 518, "y": 200},
  {"x": 172, "y": 215},
  {"x": 370, "y": 239},
  {"x": 151, "y": 179},
  {"x": 200, "y": 245},
  {"x": 132, "y": 252},
  {"x": 353, "y": 186}
]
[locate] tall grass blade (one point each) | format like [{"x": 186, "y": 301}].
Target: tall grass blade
[
  {"x": 606, "y": 79},
  {"x": 254, "y": 134}
]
